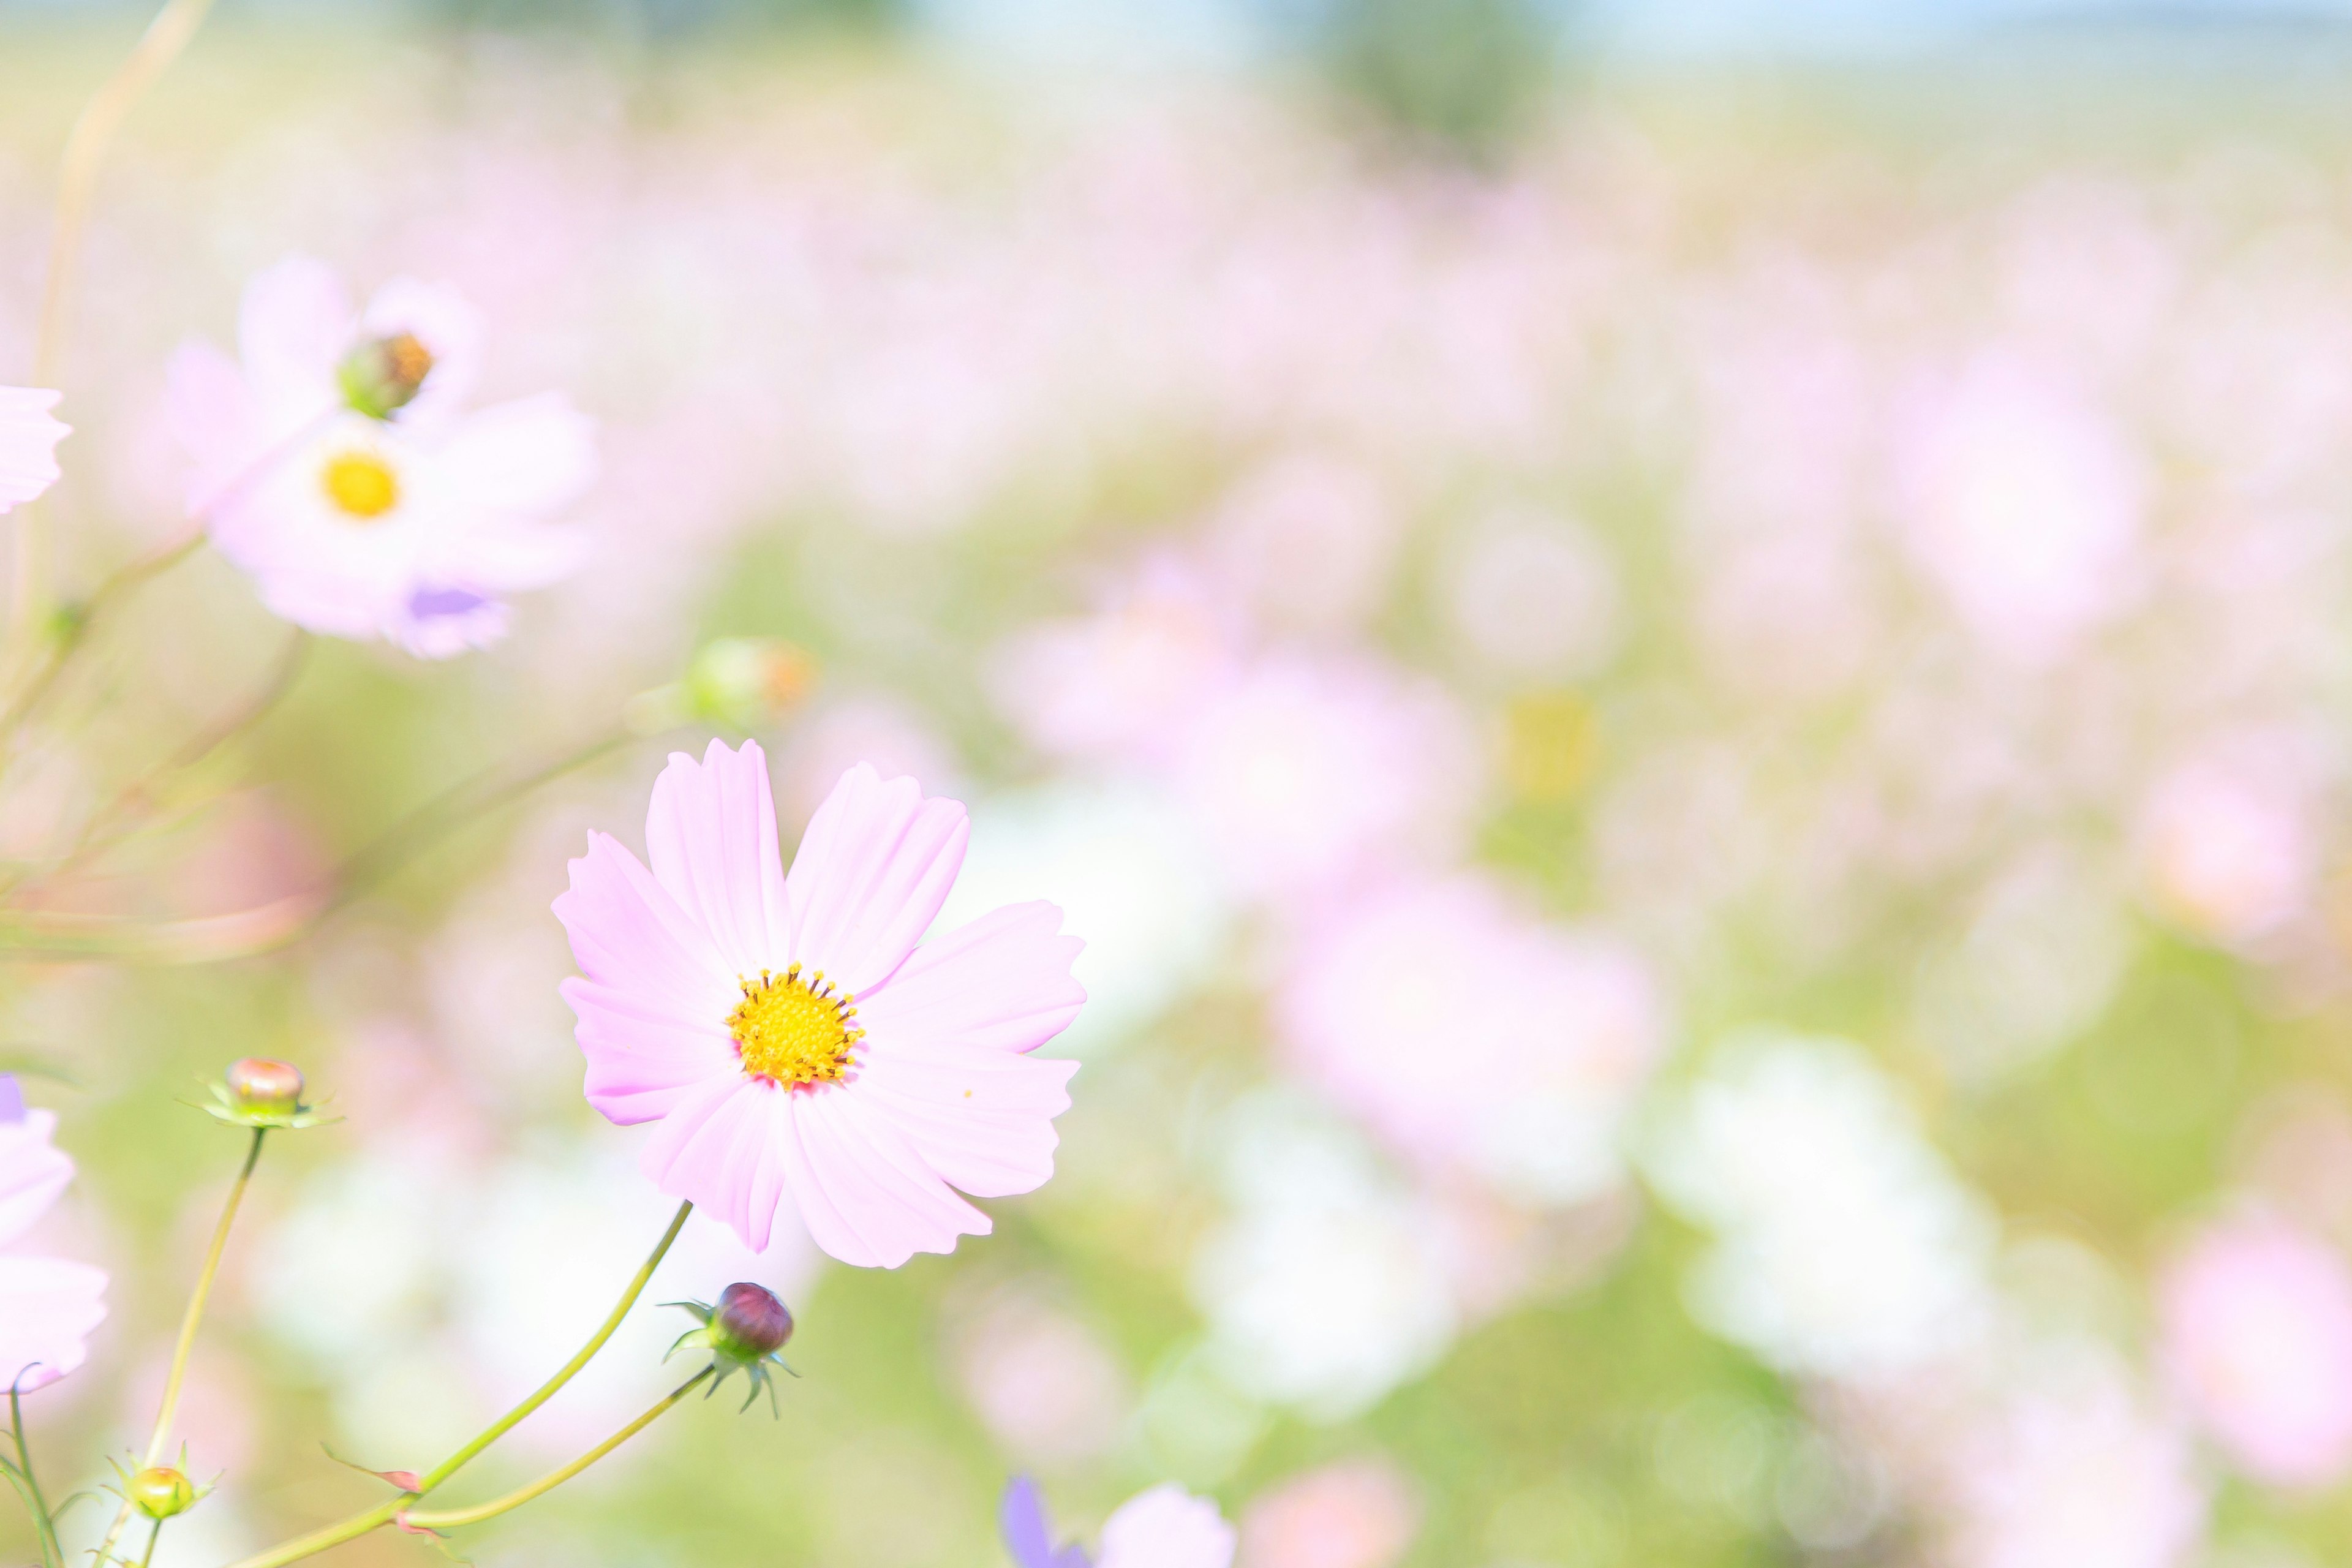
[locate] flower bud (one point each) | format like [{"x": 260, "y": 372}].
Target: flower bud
[
  {"x": 264, "y": 1086},
  {"x": 745, "y": 683},
  {"x": 383, "y": 376},
  {"x": 159, "y": 1492},
  {"x": 749, "y": 1323}
]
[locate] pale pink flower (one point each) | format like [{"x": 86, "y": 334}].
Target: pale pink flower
[
  {"x": 28, "y": 440},
  {"x": 1123, "y": 682},
  {"x": 47, "y": 1305},
  {"x": 1305, "y": 774},
  {"x": 2258, "y": 1336},
  {"x": 1309, "y": 542},
  {"x": 2227, "y": 842},
  {"x": 1552, "y": 1033},
  {"x": 409, "y": 521},
  {"x": 2025, "y": 502},
  {"x": 785, "y": 1032}
]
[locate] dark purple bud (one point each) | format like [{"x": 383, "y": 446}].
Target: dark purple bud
[{"x": 750, "y": 1322}]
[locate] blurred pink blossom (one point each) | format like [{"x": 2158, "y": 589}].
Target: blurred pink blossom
[
  {"x": 1532, "y": 594},
  {"x": 47, "y": 1305},
  {"x": 357, "y": 521},
  {"x": 29, "y": 439},
  {"x": 2023, "y": 500},
  {"x": 1307, "y": 542},
  {"x": 1475, "y": 1037},
  {"x": 1126, "y": 679},
  {"x": 2257, "y": 1324},
  {"x": 1304, "y": 775},
  {"x": 716, "y": 1002},
  {"x": 1042, "y": 1381},
  {"x": 2226, "y": 840},
  {"x": 1353, "y": 1513}
]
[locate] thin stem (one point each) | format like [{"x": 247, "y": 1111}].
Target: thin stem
[
  {"x": 51, "y": 1552},
  {"x": 154, "y": 1531},
  {"x": 160, "y": 1441},
  {"x": 554, "y": 1478},
  {"x": 86, "y": 148},
  {"x": 115, "y": 821},
  {"x": 383, "y": 1513},
  {"x": 55, "y": 658},
  {"x": 56, "y": 935}
]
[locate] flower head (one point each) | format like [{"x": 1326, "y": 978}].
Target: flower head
[
  {"x": 1165, "y": 1527},
  {"x": 47, "y": 1305},
  {"x": 785, "y": 1033},
  {"x": 334, "y": 467},
  {"x": 259, "y": 1092},
  {"x": 29, "y": 439}
]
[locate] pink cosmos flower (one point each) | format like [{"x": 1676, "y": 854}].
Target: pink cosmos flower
[
  {"x": 47, "y": 1304},
  {"x": 786, "y": 1034},
  {"x": 334, "y": 467},
  {"x": 28, "y": 440},
  {"x": 1565, "y": 1027},
  {"x": 2258, "y": 1334}
]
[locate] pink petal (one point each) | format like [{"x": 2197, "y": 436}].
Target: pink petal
[
  {"x": 46, "y": 1307},
  {"x": 29, "y": 439},
  {"x": 866, "y": 1197},
  {"x": 712, "y": 1147},
  {"x": 654, "y": 1001},
  {"x": 981, "y": 1119},
  {"x": 213, "y": 415},
  {"x": 871, "y": 871},
  {"x": 1167, "y": 1528},
  {"x": 1002, "y": 981},
  {"x": 521, "y": 460},
  {"x": 710, "y": 834},
  {"x": 32, "y": 1173},
  {"x": 293, "y": 329}
]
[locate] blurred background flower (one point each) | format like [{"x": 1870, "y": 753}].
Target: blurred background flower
[{"x": 1683, "y": 664}]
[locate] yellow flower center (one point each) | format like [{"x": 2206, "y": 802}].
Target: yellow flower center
[
  {"x": 792, "y": 1031},
  {"x": 362, "y": 484}
]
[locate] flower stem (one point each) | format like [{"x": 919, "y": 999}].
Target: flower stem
[
  {"x": 383, "y": 1513},
  {"x": 160, "y": 1439},
  {"x": 555, "y": 1479},
  {"x": 85, "y": 154},
  {"x": 154, "y": 1531},
  {"x": 52, "y": 1554}
]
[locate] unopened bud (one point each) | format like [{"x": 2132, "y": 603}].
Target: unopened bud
[
  {"x": 749, "y": 1323},
  {"x": 383, "y": 376},
  {"x": 159, "y": 1492},
  {"x": 745, "y": 683},
  {"x": 265, "y": 1087}
]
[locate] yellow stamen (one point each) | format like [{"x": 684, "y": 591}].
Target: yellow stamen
[
  {"x": 362, "y": 484},
  {"x": 792, "y": 1031}
]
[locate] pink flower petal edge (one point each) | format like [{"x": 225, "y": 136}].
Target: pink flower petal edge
[
  {"x": 940, "y": 1096},
  {"x": 29, "y": 441},
  {"x": 47, "y": 1305}
]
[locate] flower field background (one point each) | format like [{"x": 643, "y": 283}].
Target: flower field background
[{"x": 1701, "y": 748}]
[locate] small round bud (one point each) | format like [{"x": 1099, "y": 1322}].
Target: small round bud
[
  {"x": 259, "y": 1085},
  {"x": 383, "y": 376},
  {"x": 159, "y": 1492},
  {"x": 750, "y": 1322},
  {"x": 747, "y": 681}
]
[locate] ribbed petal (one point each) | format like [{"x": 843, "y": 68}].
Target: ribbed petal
[
  {"x": 710, "y": 834},
  {"x": 707, "y": 1147},
  {"x": 873, "y": 869},
  {"x": 653, "y": 1005},
  {"x": 868, "y": 1198},
  {"x": 47, "y": 1306},
  {"x": 983, "y": 1119},
  {"x": 32, "y": 1173},
  {"x": 1001, "y": 981}
]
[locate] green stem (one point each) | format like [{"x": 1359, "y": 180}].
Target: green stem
[
  {"x": 154, "y": 1532},
  {"x": 554, "y": 1478},
  {"x": 383, "y": 1513},
  {"x": 86, "y": 147},
  {"x": 51, "y": 662},
  {"x": 52, "y": 1554},
  {"x": 160, "y": 1439}
]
